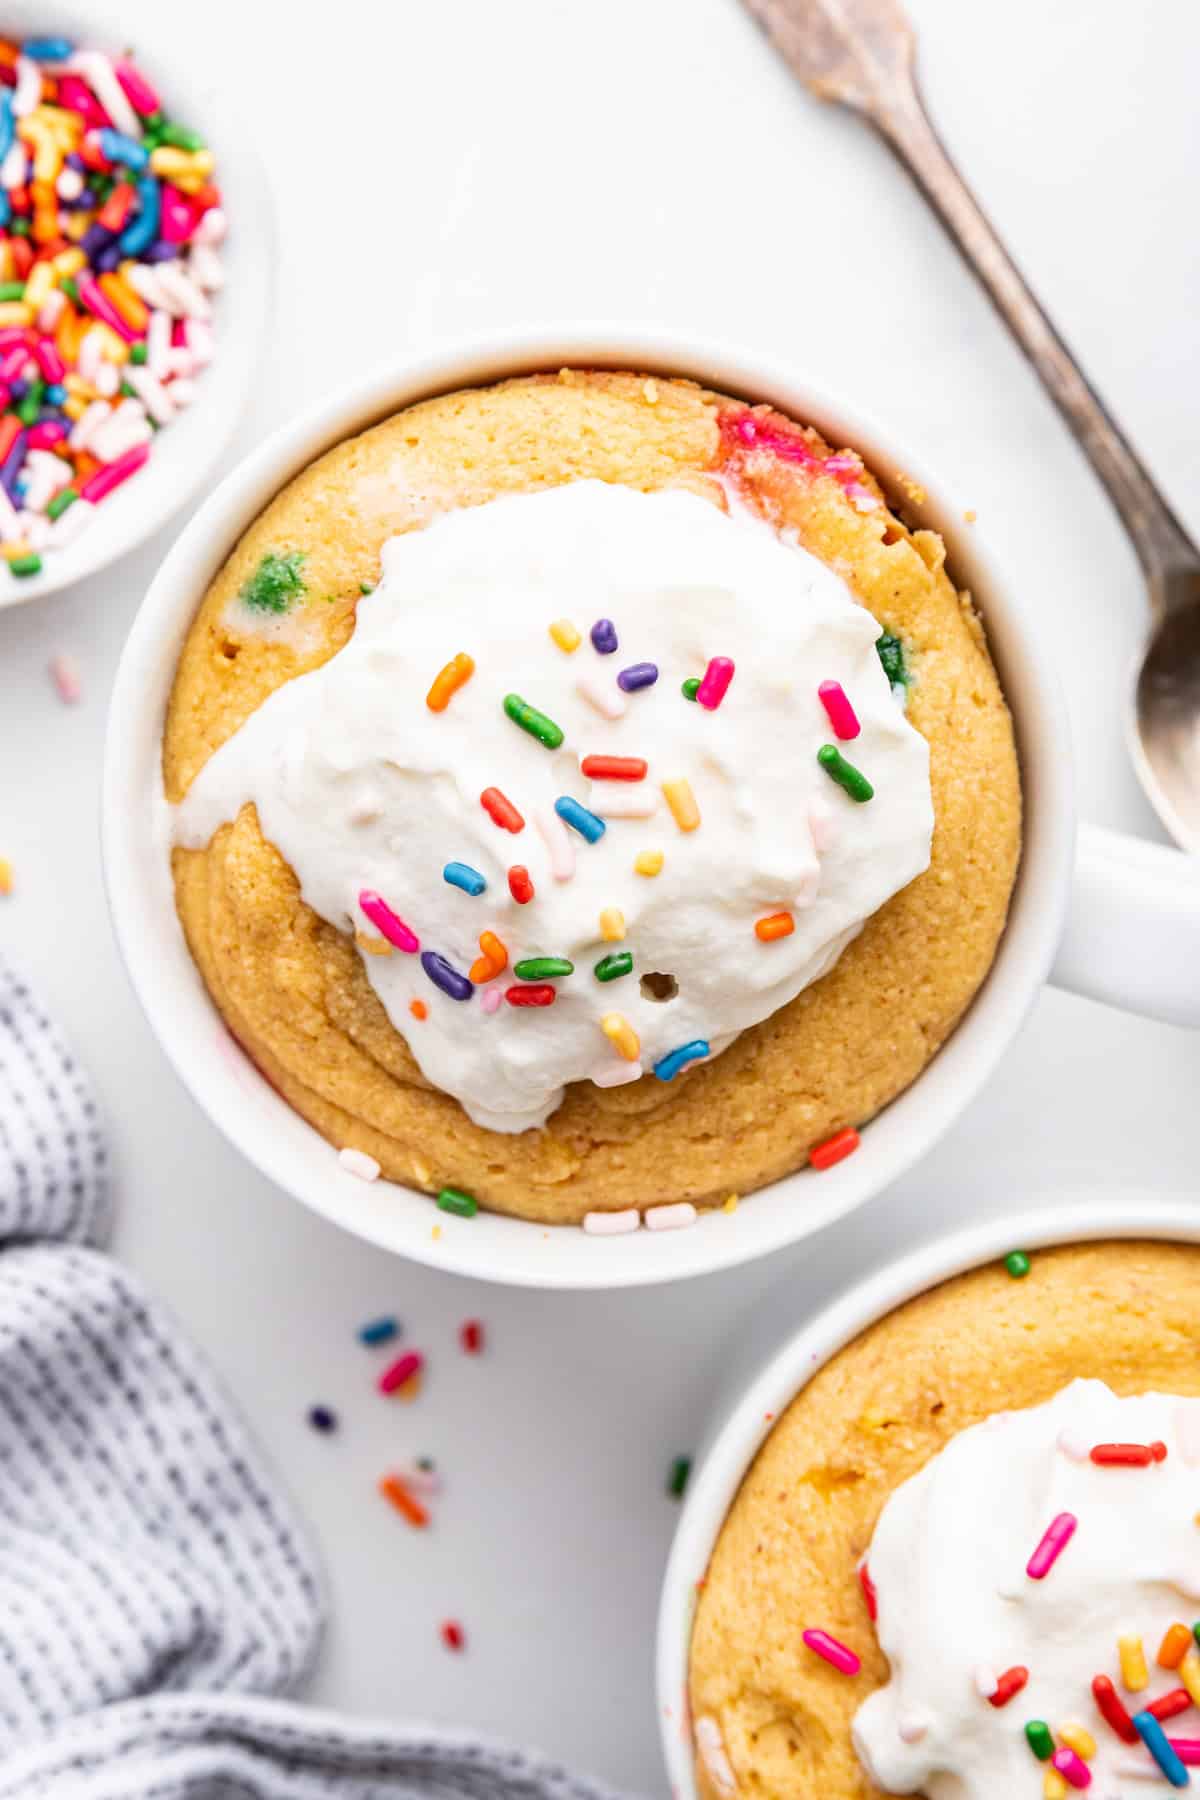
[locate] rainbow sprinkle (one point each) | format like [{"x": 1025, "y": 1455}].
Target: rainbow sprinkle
[
  {"x": 1054, "y": 1541},
  {"x": 668, "y": 1067},
  {"x": 838, "y": 1655},
  {"x": 462, "y": 875}
]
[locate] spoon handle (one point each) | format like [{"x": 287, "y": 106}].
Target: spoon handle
[{"x": 860, "y": 53}]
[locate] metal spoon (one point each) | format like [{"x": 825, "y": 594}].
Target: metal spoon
[{"x": 861, "y": 53}]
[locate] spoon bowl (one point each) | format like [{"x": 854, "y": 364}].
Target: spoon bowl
[{"x": 1164, "y": 724}]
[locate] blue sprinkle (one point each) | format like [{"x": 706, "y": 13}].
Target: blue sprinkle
[
  {"x": 445, "y": 976},
  {"x": 121, "y": 149},
  {"x": 322, "y": 1418},
  {"x": 48, "y": 49},
  {"x": 55, "y": 393},
  {"x": 142, "y": 229},
  {"x": 5, "y": 207},
  {"x": 668, "y": 1067},
  {"x": 580, "y": 819},
  {"x": 604, "y": 637},
  {"x": 1158, "y": 1744},
  {"x": 637, "y": 675},
  {"x": 462, "y": 875},
  {"x": 379, "y": 1331},
  {"x": 8, "y": 126}
]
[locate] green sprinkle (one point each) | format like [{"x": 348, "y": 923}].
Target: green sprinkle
[
  {"x": 275, "y": 585},
  {"x": 65, "y": 497},
  {"x": 543, "y": 968},
  {"x": 21, "y": 228},
  {"x": 31, "y": 405},
  {"x": 26, "y": 565},
  {"x": 12, "y": 290},
  {"x": 534, "y": 722},
  {"x": 891, "y": 655},
  {"x": 155, "y": 120},
  {"x": 677, "y": 1480},
  {"x": 1017, "y": 1264},
  {"x": 137, "y": 354},
  {"x": 852, "y": 780},
  {"x": 130, "y": 393},
  {"x": 182, "y": 136},
  {"x": 691, "y": 687},
  {"x": 1041, "y": 1739},
  {"x": 366, "y": 587},
  {"x": 1196, "y": 1631},
  {"x": 611, "y": 968},
  {"x": 453, "y": 1200},
  {"x": 68, "y": 287}
]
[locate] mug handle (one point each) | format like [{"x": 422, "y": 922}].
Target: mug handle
[{"x": 1132, "y": 936}]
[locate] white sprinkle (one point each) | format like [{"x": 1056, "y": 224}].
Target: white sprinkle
[
  {"x": 671, "y": 1218},
  {"x": 158, "y": 341},
  {"x": 180, "y": 292},
  {"x": 558, "y": 843},
  {"x": 212, "y": 228},
  {"x": 611, "y": 1224},
  {"x": 64, "y": 673},
  {"x": 91, "y": 354},
  {"x": 28, "y": 90},
  {"x": 144, "y": 282},
  {"x": 491, "y": 999},
  {"x": 986, "y": 1681},
  {"x": 152, "y": 394},
  {"x": 198, "y": 336},
  {"x": 711, "y": 1746},
  {"x": 97, "y": 71},
  {"x": 69, "y": 185},
  {"x": 357, "y": 1162},
  {"x": 71, "y": 524},
  {"x": 623, "y": 799},
  {"x": 107, "y": 381},
  {"x": 206, "y": 268},
  {"x": 912, "y": 1727},
  {"x": 616, "y": 1073},
  {"x": 823, "y": 826},
  {"x": 1073, "y": 1445},
  {"x": 9, "y": 527},
  {"x": 51, "y": 311},
  {"x": 127, "y": 426},
  {"x": 808, "y": 886},
  {"x": 34, "y": 528},
  {"x": 605, "y": 696},
  {"x": 88, "y": 424},
  {"x": 179, "y": 360},
  {"x": 15, "y": 167},
  {"x": 182, "y": 391}
]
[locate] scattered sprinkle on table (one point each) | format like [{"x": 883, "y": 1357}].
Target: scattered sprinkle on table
[
  {"x": 6, "y": 876},
  {"x": 322, "y": 1418},
  {"x": 612, "y": 1224},
  {"x": 379, "y": 1331},
  {"x": 401, "y": 1371},
  {"x": 1017, "y": 1264},
  {"x": 470, "y": 1336},
  {"x": 677, "y": 1478},
  {"x": 453, "y": 1635},
  {"x": 675, "y": 1217},
  {"x": 398, "y": 1494},
  {"x": 64, "y": 673}
]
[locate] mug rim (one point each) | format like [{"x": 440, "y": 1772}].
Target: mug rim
[
  {"x": 492, "y": 1246},
  {"x": 737, "y": 1435}
]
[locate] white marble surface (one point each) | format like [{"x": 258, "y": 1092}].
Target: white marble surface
[{"x": 647, "y": 160}]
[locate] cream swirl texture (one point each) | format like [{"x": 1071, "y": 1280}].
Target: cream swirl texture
[
  {"x": 958, "y": 1610},
  {"x": 364, "y": 789}
]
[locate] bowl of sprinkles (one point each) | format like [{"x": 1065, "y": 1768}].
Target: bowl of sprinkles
[
  {"x": 123, "y": 360},
  {"x": 953, "y": 1517}
]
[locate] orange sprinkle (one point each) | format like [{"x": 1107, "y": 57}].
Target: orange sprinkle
[
  {"x": 130, "y": 305},
  {"x": 418, "y": 1009},
  {"x": 835, "y": 1150},
  {"x": 493, "y": 961},
  {"x": 779, "y": 925},
  {"x": 6, "y": 876},
  {"x": 85, "y": 464},
  {"x": 1177, "y": 1641},
  {"x": 397, "y": 1495},
  {"x": 9, "y": 53},
  {"x": 446, "y": 683}
]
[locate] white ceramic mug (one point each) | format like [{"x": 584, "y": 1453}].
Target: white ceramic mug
[
  {"x": 744, "y": 1413},
  {"x": 1131, "y": 911}
]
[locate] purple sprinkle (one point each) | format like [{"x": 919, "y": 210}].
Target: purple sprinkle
[
  {"x": 322, "y": 1418},
  {"x": 604, "y": 637},
  {"x": 108, "y": 260},
  {"x": 10, "y": 468},
  {"x": 446, "y": 976},
  {"x": 18, "y": 389},
  {"x": 95, "y": 239},
  {"x": 638, "y": 675},
  {"x": 75, "y": 161},
  {"x": 160, "y": 252}
]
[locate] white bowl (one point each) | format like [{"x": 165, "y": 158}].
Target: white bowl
[
  {"x": 744, "y": 1414},
  {"x": 185, "y": 453},
  {"x": 288, "y": 1150}
]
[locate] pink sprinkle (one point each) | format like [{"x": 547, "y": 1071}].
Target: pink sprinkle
[
  {"x": 1072, "y": 1768},
  {"x": 861, "y": 498},
  {"x": 1057, "y": 1536},
  {"x": 393, "y": 928},
  {"x": 612, "y": 1224},
  {"x": 64, "y": 673},
  {"x": 48, "y": 360},
  {"x": 179, "y": 216},
  {"x": 842, "y": 1659},
  {"x": 140, "y": 95},
  {"x": 46, "y": 435},
  {"x": 1187, "y": 1750},
  {"x": 78, "y": 96},
  {"x": 402, "y": 1370},
  {"x": 715, "y": 682},
  {"x": 101, "y": 484},
  {"x": 101, "y": 307},
  {"x": 490, "y": 999},
  {"x": 842, "y": 715},
  {"x": 15, "y": 356}
]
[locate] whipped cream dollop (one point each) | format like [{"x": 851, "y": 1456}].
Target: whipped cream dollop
[
  {"x": 364, "y": 789},
  {"x": 957, "y": 1609}
]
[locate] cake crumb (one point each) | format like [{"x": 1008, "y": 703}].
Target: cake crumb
[
  {"x": 913, "y": 489},
  {"x": 970, "y": 515},
  {"x": 650, "y": 392}
]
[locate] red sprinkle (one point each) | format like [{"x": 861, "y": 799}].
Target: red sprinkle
[
  {"x": 453, "y": 1635},
  {"x": 520, "y": 886},
  {"x": 1158, "y": 1450},
  {"x": 870, "y": 1594},
  {"x": 1010, "y": 1683},
  {"x": 470, "y": 1336},
  {"x": 835, "y": 1149},
  {"x": 501, "y": 810},
  {"x": 614, "y": 768},
  {"x": 1169, "y": 1706},
  {"x": 1109, "y": 1703},
  {"x": 537, "y": 993},
  {"x": 1129, "y": 1456}
]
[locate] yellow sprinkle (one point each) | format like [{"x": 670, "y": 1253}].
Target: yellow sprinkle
[
  {"x": 68, "y": 262},
  {"x": 374, "y": 946},
  {"x": 1053, "y": 1785},
  {"x": 114, "y": 347},
  {"x": 1189, "y": 1674},
  {"x": 181, "y": 164},
  {"x": 650, "y": 392},
  {"x": 6, "y": 876},
  {"x": 40, "y": 285},
  {"x": 1134, "y": 1674},
  {"x": 15, "y": 312},
  {"x": 74, "y": 408},
  {"x": 730, "y": 1205},
  {"x": 682, "y": 802},
  {"x": 565, "y": 635},
  {"x": 437, "y": 1232},
  {"x": 648, "y": 862},
  {"x": 621, "y": 1035},
  {"x": 612, "y": 925},
  {"x": 1079, "y": 1739},
  {"x": 75, "y": 225},
  {"x": 14, "y": 547},
  {"x": 970, "y": 515}
]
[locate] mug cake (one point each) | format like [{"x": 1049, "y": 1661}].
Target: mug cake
[
  {"x": 589, "y": 798},
  {"x": 966, "y": 1561}
]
